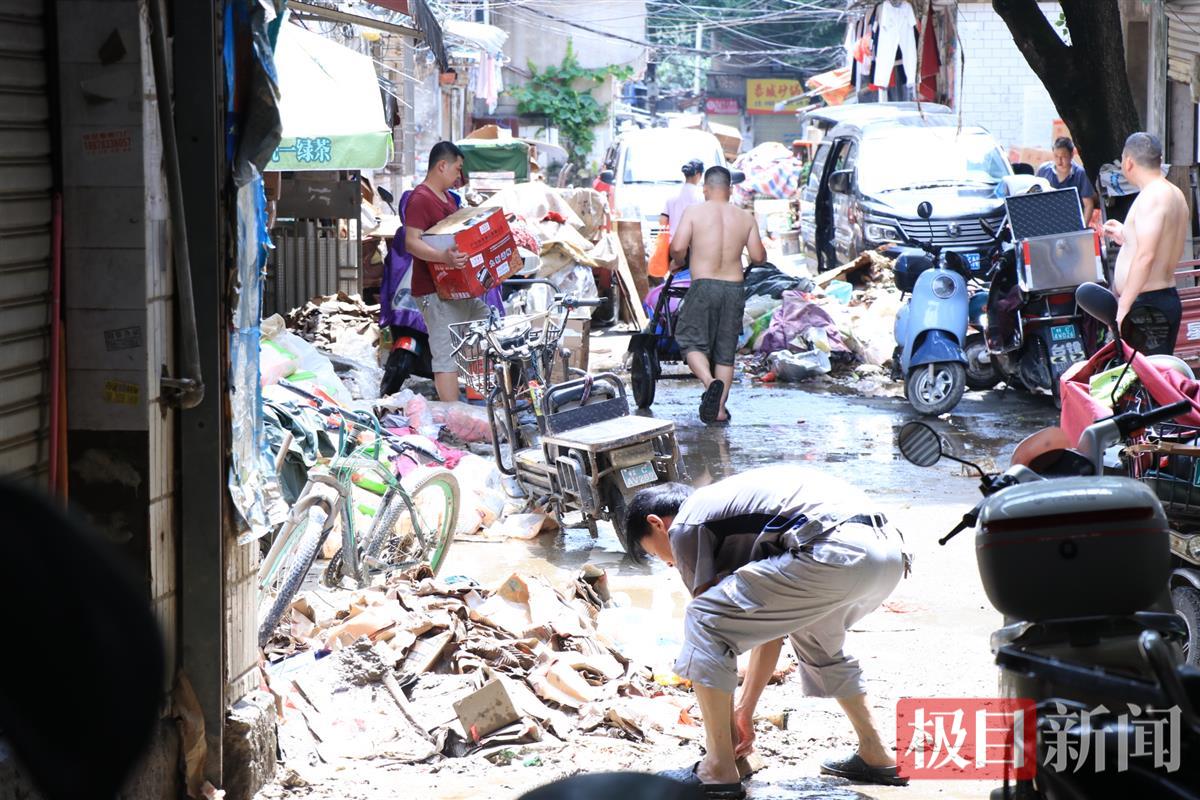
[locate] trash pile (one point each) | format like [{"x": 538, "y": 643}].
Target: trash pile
[
  {"x": 423, "y": 669},
  {"x": 324, "y": 367},
  {"x": 567, "y": 226},
  {"x": 823, "y": 326}
]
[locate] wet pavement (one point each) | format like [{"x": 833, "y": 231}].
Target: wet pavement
[
  {"x": 932, "y": 638},
  {"x": 929, "y": 640}
]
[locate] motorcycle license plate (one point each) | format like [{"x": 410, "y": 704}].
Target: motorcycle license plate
[
  {"x": 972, "y": 260},
  {"x": 638, "y": 475},
  {"x": 1062, "y": 333}
]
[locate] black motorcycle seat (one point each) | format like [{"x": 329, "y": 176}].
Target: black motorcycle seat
[{"x": 566, "y": 397}]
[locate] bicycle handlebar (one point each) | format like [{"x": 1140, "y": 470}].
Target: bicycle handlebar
[{"x": 1132, "y": 421}]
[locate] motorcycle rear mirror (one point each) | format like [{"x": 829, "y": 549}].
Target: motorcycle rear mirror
[
  {"x": 1098, "y": 302},
  {"x": 987, "y": 228},
  {"x": 920, "y": 444},
  {"x": 925, "y": 210}
]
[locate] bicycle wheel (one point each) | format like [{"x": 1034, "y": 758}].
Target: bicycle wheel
[
  {"x": 286, "y": 565},
  {"x": 417, "y": 523}
]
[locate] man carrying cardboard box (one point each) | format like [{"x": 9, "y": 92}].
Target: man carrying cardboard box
[{"x": 430, "y": 203}]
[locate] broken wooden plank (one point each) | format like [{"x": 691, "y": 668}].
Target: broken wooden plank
[
  {"x": 631, "y": 302},
  {"x": 425, "y": 653},
  {"x": 633, "y": 246},
  {"x": 866, "y": 260},
  {"x": 389, "y": 683}
]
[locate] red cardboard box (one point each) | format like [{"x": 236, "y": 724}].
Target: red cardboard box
[{"x": 484, "y": 236}]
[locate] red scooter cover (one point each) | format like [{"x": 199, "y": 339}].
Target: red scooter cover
[{"x": 1164, "y": 385}]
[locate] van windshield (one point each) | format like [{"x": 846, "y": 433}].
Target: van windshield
[
  {"x": 911, "y": 158},
  {"x": 661, "y": 160}
]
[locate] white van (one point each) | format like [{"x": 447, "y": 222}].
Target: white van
[{"x": 645, "y": 168}]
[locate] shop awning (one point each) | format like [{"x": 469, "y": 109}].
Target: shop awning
[{"x": 330, "y": 106}]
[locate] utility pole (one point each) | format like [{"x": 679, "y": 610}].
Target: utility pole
[{"x": 699, "y": 45}]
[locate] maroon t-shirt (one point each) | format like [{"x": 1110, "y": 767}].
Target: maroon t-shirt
[{"x": 425, "y": 209}]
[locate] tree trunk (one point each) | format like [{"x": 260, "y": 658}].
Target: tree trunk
[{"x": 1086, "y": 80}]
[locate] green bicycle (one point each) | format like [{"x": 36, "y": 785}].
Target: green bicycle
[{"x": 414, "y": 521}]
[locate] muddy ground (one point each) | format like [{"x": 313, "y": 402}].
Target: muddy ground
[{"x": 931, "y": 639}]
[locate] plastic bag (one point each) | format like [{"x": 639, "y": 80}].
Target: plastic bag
[
  {"x": 660, "y": 262},
  {"x": 311, "y": 370},
  {"x": 468, "y": 423},
  {"x": 577, "y": 280},
  {"x": 792, "y": 367},
  {"x": 420, "y": 416}
]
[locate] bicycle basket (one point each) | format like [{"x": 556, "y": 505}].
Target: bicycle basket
[
  {"x": 470, "y": 356},
  {"x": 472, "y": 353},
  {"x": 1168, "y": 462}
]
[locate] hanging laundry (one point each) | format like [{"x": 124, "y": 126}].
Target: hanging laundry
[
  {"x": 897, "y": 30},
  {"x": 931, "y": 59}
]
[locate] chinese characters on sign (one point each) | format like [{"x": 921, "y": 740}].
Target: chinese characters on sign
[
  {"x": 763, "y": 93},
  {"x": 722, "y": 105},
  {"x": 308, "y": 151},
  {"x": 994, "y": 739}
]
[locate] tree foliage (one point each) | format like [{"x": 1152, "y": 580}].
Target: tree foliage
[{"x": 563, "y": 95}]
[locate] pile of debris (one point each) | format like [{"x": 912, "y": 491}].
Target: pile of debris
[
  {"x": 840, "y": 324},
  {"x": 424, "y": 669}
]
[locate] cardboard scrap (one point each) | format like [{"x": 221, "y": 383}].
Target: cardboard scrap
[{"x": 486, "y": 710}]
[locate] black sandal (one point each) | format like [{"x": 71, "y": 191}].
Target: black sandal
[
  {"x": 710, "y": 402},
  {"x": 714, "y": 791},
  {"x": 858, "y": 771}
]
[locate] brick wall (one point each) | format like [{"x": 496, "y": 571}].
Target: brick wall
[{"x": 998, "y": 90}]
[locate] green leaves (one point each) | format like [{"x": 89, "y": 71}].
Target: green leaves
[{"x": 552, "y": 93}]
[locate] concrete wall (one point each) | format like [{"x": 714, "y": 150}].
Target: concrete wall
[
  {"x": 997, "y": 89},
  {"x": 536, "y": 37}
]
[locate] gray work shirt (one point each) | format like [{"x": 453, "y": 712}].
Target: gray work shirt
[{"x": 758, "y": 514}]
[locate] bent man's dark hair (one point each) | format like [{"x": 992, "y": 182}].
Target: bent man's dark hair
[
  {"x": 718, "y": 178},
  {"x": 443, "y": 151},
  {"x": 1064, "y": 143},
  {"x": 661, "y": 500}
]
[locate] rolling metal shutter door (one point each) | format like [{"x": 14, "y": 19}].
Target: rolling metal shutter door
[
  {"x": 775, "y": 128},
  {"x": 26, "y": 180},
  {"x": 1183, "y": 39}
]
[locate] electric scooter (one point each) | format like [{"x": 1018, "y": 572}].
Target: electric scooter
[
  {"x": 1076, "y": 562},
  {"x": 931, "y": 326}
]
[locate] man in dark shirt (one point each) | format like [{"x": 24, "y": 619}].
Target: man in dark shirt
[
  {"x": 1064, "y": 173},
  {"x": 773, "y": 552},
  {"x": 430, "y": 203}
]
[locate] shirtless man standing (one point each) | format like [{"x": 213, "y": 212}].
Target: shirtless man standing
[
  {"x": 1152, "y": 241},
  {"x": 711, "y": 319}
]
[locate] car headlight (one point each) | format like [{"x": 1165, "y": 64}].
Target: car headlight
[
  {"x": 881, "y": 233},
  {"x": 629, "y": 211},
  {"x": 943, "y": 286},
  {"x": 1193, "y": 548}
]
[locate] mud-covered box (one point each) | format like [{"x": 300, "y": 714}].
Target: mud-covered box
[{"x": 1073, "y": 547}]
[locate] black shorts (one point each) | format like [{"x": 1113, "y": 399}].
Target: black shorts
[
  {"x": 1158, "y": 332},
  {"x": 710, "y": 321}
]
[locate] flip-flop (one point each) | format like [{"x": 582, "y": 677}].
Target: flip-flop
[
  {"x": 710, "y": 402},
  {"x": 856, "y": 770},
  {"x": 714, "y": 791}
]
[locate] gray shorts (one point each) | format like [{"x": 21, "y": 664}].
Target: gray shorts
[
  {"x": 812, "y": 596},
  {"x": 710, "y": 321},
  {"x": 439, "y": 315}
]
